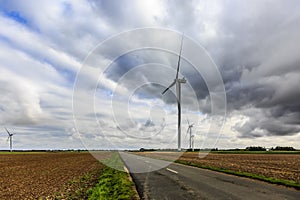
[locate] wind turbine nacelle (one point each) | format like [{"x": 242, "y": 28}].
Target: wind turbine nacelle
[{"x": 182, "y": 80}]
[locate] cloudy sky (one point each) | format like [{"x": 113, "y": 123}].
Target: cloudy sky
[{"x": 89, "y": 74}]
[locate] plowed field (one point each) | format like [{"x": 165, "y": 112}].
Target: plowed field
[
  {"x": 46, "y": 175},
  {"x": 280, "y": 166}
]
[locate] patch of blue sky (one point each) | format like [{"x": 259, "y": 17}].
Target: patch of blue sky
[
  {"x": 69, "y": 75},
  {"x": 5, "y": 39},
  {"x": 16, "y": 16},
  {"x": 141, "y": 104},
  {"x": 170, "y": 108},
  {"x": 68, "y": 9},
  {"x": 103, "y": 92}
]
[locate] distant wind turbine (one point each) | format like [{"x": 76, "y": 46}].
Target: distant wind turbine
[
  {"x": 178, "y": 81},
  {"x": 189, "y": 130},
  {"x": 10, "y": 139}
]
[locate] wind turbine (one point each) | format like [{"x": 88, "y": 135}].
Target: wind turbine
[
  {"x": 177, "y": 81},
  {"x": 189, "y": 130},
  {"x": 10, "y": 139}
]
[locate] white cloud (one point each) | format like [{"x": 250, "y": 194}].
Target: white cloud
[{"x": 20, "y": 102}]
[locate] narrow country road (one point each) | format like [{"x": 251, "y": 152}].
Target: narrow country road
[{"x": 165, "y": 180}]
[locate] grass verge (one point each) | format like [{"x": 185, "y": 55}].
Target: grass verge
[
  {"x": 113, "y": 184},
  {"x": 287, "y": 183}
]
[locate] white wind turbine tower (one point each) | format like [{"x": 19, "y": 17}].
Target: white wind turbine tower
[
  {"x": 189, "y": 130},
  {"x": 10, "y": 139},
  {"x": 178, "y": 81}
]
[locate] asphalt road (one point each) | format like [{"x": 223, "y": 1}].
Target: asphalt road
[{"x": 165, "y": 180}]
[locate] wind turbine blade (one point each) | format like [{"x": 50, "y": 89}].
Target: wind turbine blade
[
  {"x": 7, "y": 131},
  {"x": 169, "y": 87},
  {"x": 187, "y": 131},
  {"x": 178, "y": 64},
  {"x": 7, "y": 139}
]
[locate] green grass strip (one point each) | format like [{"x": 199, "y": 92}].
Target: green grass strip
[
  {"x": 113, "y": 184},
  {"x": 287, "y": 183}
]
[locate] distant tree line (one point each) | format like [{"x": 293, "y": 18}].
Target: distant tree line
[
  {"x": 256, "y": 148},
  {"x": 278, "y": 148},
  {"x": 250, "y": 148},
  {"x": 144, "y": 149}
]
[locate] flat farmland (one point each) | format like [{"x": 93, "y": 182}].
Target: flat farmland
[
  {"x": 47, "y": 175},
  {"x": 279, "y": 166}
]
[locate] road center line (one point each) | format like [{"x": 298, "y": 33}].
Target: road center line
[{"x": 171, "y": 170}]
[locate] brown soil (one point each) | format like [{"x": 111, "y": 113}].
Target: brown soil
[
  {"x": 281, "y": 166},
  {"x": 47, "y": 175}
]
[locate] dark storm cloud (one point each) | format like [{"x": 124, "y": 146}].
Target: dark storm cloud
[
  {"x": 259, "y": 65},
  {"x": 125, "y": 63},
  {"x": 255, "y": 48},
  {"x": 259, "y": 127}
]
